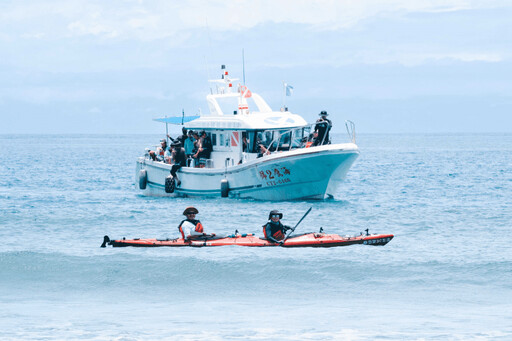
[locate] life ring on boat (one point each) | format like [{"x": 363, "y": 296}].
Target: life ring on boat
[
  {"x": 224, "y": 188},
  {"x": 143, "y": 179},
  {"x": 169, "y": 184}
]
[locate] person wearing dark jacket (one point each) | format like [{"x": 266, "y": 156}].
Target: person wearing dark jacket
[
  {"x": 274, "y": 230},
  {"x": 206, "y": 144},
  {"x": 179, "y": 158},
  {"x": 180, "y": 139},
  {"x": 322, "y": 127}
]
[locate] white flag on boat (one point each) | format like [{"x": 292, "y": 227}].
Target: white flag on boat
[{"x": 289, "y": 89}]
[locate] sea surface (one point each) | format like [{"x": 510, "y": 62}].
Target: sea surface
[{"x": 447, "y": 274}]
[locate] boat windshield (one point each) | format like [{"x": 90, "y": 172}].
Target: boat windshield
[{"x": 284, "y": 139}]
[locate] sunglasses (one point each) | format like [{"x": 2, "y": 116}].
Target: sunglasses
[{"x": 275, "y": 216}]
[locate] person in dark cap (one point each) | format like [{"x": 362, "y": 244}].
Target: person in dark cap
[
  {"x": 179, "y": 159},
  {"x": 191, "y": 228},
  {"x": 180, "y": 139},
  {"x": 274, "y": 230},
  {"x": 322, "y": 127}
]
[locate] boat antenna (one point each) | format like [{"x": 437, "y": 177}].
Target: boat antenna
[
  {"x": 211, "y": 50},
  {"x": 243, "y": 64},
  {"x": 166, "y": 131},
  {"x": 182, "y": 116},
  {"x": 208, "y": 72},
  {"x": 283, "y": 96}
]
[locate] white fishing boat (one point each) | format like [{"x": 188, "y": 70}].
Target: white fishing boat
[{"x": 256, "y": 153}]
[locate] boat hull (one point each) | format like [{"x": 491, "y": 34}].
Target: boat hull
[
  {"x": 308, "y": 173},
  {"x": 305, "y": 240}
]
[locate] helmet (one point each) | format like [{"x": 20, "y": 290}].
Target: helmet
[
  {"x": 323, "y": 113},
  {"x": 274, "y": 212},
  {"x": 189, "y": 210}
]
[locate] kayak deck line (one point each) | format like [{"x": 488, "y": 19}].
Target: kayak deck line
[{"x": 310, "y": 239}]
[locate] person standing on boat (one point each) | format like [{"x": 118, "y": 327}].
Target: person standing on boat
[
  {"x": 204, "y": 147},
  {"x": 191, "y": 228},
  {"x": 179, "y": 158},
  {"x": 189, "y": 144},
  {"x": 274, "y": 230},
  {"x": 206, "y": 144},
  {"x": 198, "y": 146},
  {"x": 180, "y": 139},
  {"x": 323, "y": 126}
]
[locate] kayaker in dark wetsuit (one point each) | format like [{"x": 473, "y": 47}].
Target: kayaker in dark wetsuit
[
  {"x": 191, "y": 228},
  {"x": 274, "y": 230}
]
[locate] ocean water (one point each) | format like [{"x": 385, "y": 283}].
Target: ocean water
[{"x": 446, "y": 275}]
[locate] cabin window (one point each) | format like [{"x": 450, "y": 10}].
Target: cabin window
[
  {"x": 284, "y": 140},
  {"x": 265, "y": 137},
  {"x": 224, "y": 140},
  {"x": 278, "y": 139},
  {"x": 253, "y": 146},
  {"x": 298, "y": 138},
  {"x": 214, "y": 139}
]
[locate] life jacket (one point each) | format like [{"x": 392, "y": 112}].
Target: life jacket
[
  {"x": 161, "y": 151},
  {"x": 198, "y": 227},
  {"x": 308, "y": 144},
  {"x": 276, "y": 231}
]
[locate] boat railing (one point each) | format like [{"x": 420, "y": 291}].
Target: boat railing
[
  {"x": 190, "y": 162},
  {"x": 351, "y": 130},
  {"x": 302, "y": 137}
]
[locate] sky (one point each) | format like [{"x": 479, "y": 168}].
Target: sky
[{"x": 390, "y": 66}]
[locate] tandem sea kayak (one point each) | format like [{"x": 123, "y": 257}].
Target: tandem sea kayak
[{"x": 304, "y": 240}]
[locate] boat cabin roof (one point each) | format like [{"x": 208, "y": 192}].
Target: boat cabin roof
[
  {"x": 250, "y": 114},
  {"x": 253, "y": 121}
]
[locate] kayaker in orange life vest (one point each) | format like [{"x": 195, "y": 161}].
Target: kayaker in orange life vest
[
  {"x": 191, "y": 228},
  {"x": 274, "y": 230}
]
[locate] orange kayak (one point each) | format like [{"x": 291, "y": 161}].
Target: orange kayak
[{"x": 304, "y": 240}]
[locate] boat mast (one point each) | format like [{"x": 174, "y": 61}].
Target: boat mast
[
  {"x": 283, "y": 96},
  {"x": 167, "y": 132},
  {"x": 243, "y": 65}
]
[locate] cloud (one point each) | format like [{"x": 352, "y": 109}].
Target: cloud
[
  {"x": 159, "y": 19},
  {"x": 96, "y": 36}
]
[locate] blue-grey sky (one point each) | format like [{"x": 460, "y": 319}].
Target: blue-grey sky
[{"x": 390, "y": 66}]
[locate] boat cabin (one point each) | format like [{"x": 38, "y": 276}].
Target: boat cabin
[
  {"x": 240, "y": 122},
  {"x": 243, "y": 127}
]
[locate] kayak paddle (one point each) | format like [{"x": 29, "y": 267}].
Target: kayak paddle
[{"x": 293, "y": 229}]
